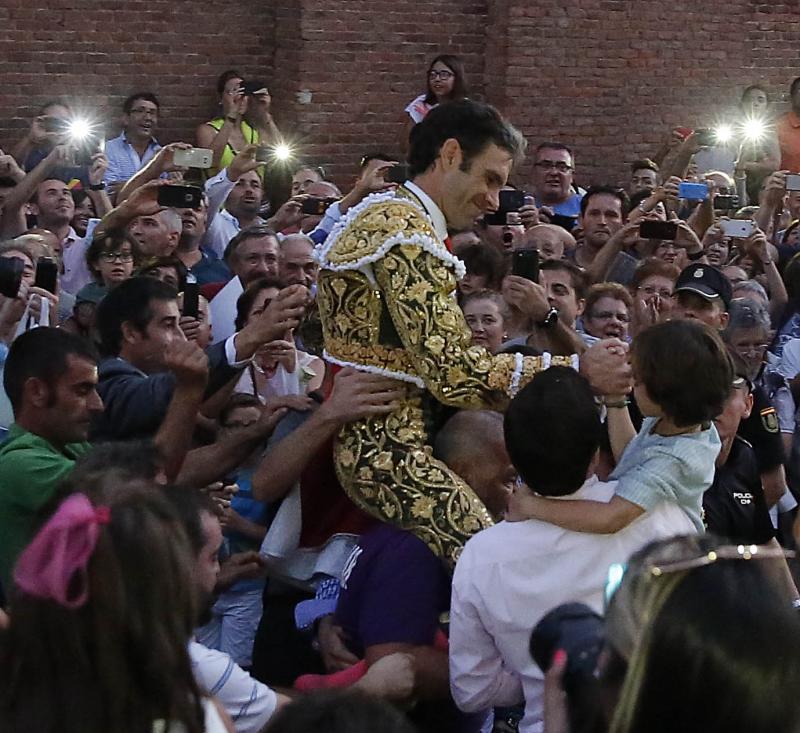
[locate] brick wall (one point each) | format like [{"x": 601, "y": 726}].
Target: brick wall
[{"x": 608, "y": 76}]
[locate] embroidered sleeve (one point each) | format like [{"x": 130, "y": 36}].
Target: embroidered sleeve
[{"x": 418, "y": 290}]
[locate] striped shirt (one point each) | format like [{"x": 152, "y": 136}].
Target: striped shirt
[
  {"x": 123, "y": 160},
  {"x": 249, "y": 703}
]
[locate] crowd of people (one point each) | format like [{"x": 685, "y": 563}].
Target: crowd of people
[{"x": 452, "y": 451}]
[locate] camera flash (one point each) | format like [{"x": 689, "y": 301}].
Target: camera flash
[
  {"x": 754, "y": 129},
  {"x": 283, "y": 152},
  {"x": 723, "y": 133},
  {"x": 79, "y": 129}
]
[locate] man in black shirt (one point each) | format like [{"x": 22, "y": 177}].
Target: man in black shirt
[{"x": 734, "y": 504}]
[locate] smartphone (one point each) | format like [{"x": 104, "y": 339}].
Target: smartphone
[
  {"x": 725, "y": 202},
  {"x": 511, "y": 201},
  {"x": 193, "y": 158},
  {"x": 83, "y": 151},
  {"x": 705, "y": 137},
  {"x": 693, "y": 191},
  {"x": 249, "y": 88},
  {"x": 737, "y": 228},
  {"x": 398, "y": 173},
  {"x": 656, "y": 229},
  {"x": 314, "y": 206},
  {"x": 191, "y": 297},
  {"x": 525, "y": 263},
  {"x": 46, "y": 274},
  {"x": 180, "y": 197},
  {"x": 565, "y": 222},
  {"x": 793, "y": 182},
  {"x": 263, "y": 154}
]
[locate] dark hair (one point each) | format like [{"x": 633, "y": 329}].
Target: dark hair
[
  {"x": 553, "y": 431},
  {"x": 111, "y": 241},
  {"x": 637, "y": 198},
  {"x": 473, "y": 124},
  {"x": 686, "y": 369},
  {"x": 579, "y": 277},
  {"x": 455, "y": 65},
  {"x": 254, "y": 232},
  {"x": 149, "y": 267},
  {"x": 130, "y": 459},
  {"x": 788, "y": 231},
  {"x": 130, "y": 302},
  {"x": 127, "y": 105},
  {"x": 339, "y": 711},
  {"x": 225, "y": 77},
  {"x": 120, "y": 662},
  {"x": 693, "y": 649},
  {"x": 79, "y": 196},
  {"x": 794, "y": 87},
  {"x": 189, "y": 505},
  {"x": 41, "y": 353},
  {"x": 653, "y": 266},
  {"x": 606, "y": 290},
  {"x": 248, "y": 297},
  {"x": 554, "y": 146},
  {"x": 238, "y": 400},
  {"x": 480, "y": 259},
  {"x": 606, "y": 190},
  {"x": 644, "y": 164}
]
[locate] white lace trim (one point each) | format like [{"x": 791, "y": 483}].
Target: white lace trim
[
  {"x": 519, "y": 363},
  {"x": 428, "y": 243},
  {"x": 402, "y": 376},
  {"x": 576, "y": 362}
]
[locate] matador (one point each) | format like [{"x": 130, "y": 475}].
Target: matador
[{"x": 386, "y": 295}]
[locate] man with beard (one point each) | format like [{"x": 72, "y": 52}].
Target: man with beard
[
  {"x": 603, "y": 210},
  {"x": 136, "y": 146}
]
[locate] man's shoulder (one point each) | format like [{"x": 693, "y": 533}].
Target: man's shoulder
[{"x": 374, "y": 226}]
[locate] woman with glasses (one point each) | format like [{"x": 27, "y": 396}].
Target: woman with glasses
[
  {"x": 651, "y": 289},
  {"x": 446, "y": 83}
]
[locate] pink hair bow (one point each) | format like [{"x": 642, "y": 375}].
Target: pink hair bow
[{"x": 53, "y": 566}]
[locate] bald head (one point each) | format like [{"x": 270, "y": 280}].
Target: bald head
[
  {"x": 485, "y": 467},
  {"x": 551, "y": 241}
]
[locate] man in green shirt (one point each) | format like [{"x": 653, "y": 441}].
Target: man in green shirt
[{"x": 51, "y": 378}]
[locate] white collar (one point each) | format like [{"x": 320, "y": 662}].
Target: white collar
[{"x": 435, "y": 213}]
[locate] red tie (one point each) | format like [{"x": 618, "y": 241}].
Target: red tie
[{"x": 448, "y": 244}]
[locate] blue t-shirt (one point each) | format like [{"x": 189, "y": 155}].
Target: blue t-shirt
[
  {"x": 570, "y": 207},
  {"x": 677, "y": 468}
]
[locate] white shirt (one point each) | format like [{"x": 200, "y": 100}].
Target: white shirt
[
  {"x": 510, "y": 575},
  {"x": 249, "y": 702},
  {"x": 435, "y": 213},
  {"x": 76, "y": 270},
  {"x": 222, "y": 226},
  {"x": 223, "y": 309}
]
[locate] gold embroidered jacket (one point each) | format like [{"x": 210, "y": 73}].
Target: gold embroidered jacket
[{"x": 386, "y": 299}]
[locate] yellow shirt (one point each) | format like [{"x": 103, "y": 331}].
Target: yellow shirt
[{"x": 250, "y": 134}]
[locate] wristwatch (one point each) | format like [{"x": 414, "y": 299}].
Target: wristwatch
[
  {"x": 550, "y": 319},
  {"x": 97, "y": 186}
]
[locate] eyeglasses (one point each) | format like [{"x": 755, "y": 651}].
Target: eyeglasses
[
  {"x": 652, "y": 290},
  {"x": 443, "y": 75},
  {"x": 547, "y": 165},
  {"x": 114, "y": 256},
  {"x": 608, "y": 315},
  {"x": 725, "y": 552}
]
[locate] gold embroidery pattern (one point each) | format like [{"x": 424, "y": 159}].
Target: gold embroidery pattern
[
  {"x": 387, "y": 472},
  {"x": 374, "y": 226},
  {"x": 383, "y": 463}
]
